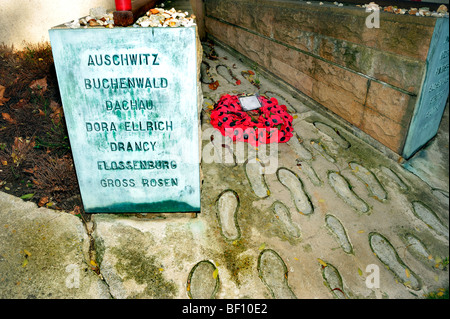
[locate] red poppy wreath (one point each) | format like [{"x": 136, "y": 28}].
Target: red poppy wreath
[{"x": 267, "y": 124}]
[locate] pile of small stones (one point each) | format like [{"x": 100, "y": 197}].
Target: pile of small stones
[
  {"x": 156, "y": 17},
  {"x": 107, "y": 21},
  {"x": 442, "y": 11},
  {"x": 159, "y": 17},
  {"x": 97, "y": 17}
]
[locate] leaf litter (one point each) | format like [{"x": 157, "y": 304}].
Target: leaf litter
[{"x": 35, "y": 159}]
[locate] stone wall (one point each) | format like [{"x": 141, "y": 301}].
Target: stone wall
[{"x": 371, "y": 77}]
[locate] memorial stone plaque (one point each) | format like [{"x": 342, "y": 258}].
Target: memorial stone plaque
[
  {"x": 434, "y": 92},
  {"x": 130, "y": 104}
]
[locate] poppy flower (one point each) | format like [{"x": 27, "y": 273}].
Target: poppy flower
[{"x": 256, "y": 126}]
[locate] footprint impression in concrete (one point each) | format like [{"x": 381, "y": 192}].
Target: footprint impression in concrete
[
  {"x": 342, "y": 188},
  {"x": 333, "y": 133},
  {"x": 227, "y": 206},
  {"x": 333, "y": 280},
  {"x": 283, "y": 214},
  {"x": 338, "y": 230},
  {"x": 203, "y": 281},
  {"x": 226, "y": 73},
  {"x": 273, "y": 273},
  {"x": 441, "y": 194},
  {"x": 322, "y": 150},
  {"x": 209, "y": 51},
  {"x": 387, "y": 254},
  {"x": 430, "y": 218},
  {"x": 309, "y": 171},
  {"x": 208, "y": 102},
  {"x": 255, "y": 175},
  {"x": 299, "y": 149},
  {"x": 394, "y": 177},
  {"x": 374, "y": 187},
  {"x": 205, "y": 75},
  {"x": 293, "y": 183},
  {"x": 251, "y": 77},
  {"x": 418, "y": 249}
]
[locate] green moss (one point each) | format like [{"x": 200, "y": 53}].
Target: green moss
[
  {"x": 307, "y": 248},
  {"x": 366, "y": 58},
  {"x": 99, "y": 250},
  {"x": 132, "y": 263},
  {"x": 162, "y": 206},
  {"x": 144, "y": 270},
  {"x": 351, "y": 57},
  {"x": 442, "y": 293},
  {"x": 238, "y": 266}
]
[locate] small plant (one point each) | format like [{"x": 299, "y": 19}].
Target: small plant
[
  {"x": 444, "y": 263},
  {"x": 441, "y": 293},
  {"x": 441, "y": 263}
]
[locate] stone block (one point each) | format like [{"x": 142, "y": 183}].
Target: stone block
[
  {"x": 244, "y": 14},
  {"x": 383, "y": 129},
  {"x": 216, "y": 28},
  {"x": 297, "y": 59},
  {"x": 393, "y": 104},
  {"x": 339, "y": 101},
  {"x": 400, "y": 71},
  {"x": 293, "y": 76},
  {"x": 433, "y": 97},
  {"x": 395, "y": 53},
  {"x": 355, "y": 85},
  {"x": 250, "y": 45},
  {"x": 130, "y": 104},
  {"x": 399, "y": 34}
]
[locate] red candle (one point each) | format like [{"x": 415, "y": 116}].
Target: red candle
[{"x": 123, "y": 5}]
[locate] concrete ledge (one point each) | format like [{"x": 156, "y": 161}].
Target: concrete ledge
[
  {"x": 44, "y": 254},
  {"x": 338, "y": 34}
]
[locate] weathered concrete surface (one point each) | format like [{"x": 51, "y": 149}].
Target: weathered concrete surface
[
  {"x": 249, "y": 246},
  {"x": 44, "y": 254}
]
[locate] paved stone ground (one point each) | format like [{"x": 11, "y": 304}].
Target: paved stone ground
[{"x": 322, "y": 216}]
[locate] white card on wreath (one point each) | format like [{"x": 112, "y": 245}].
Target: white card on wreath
[{"x": 249, "y": 103}]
